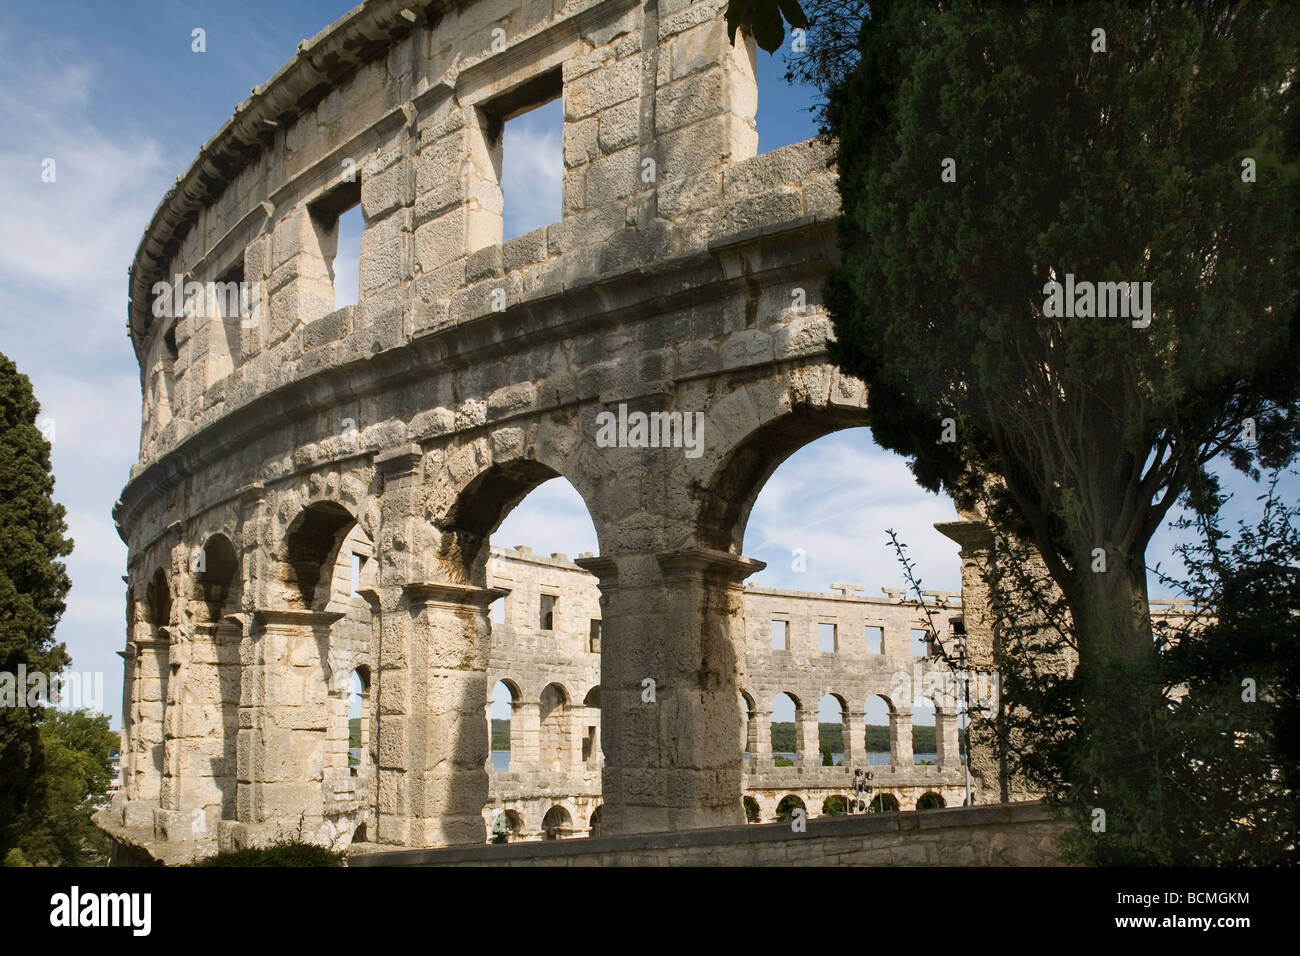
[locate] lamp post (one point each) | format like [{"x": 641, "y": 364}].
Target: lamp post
[{"x": 965, "y": 704}]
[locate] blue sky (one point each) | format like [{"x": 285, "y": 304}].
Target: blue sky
[{"x": 115, "y": 95}]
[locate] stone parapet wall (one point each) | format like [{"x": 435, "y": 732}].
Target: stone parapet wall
[{"x": 1022, "y": 834}]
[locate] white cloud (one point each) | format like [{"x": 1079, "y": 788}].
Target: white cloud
[{"x": 532, "y": 167}]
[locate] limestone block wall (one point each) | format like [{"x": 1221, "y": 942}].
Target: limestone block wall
[
  {"x": 1020, "y": 834},
  {"x": 471, "y": 370}
]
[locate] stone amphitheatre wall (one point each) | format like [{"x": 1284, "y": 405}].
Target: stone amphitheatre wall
[
  {"x": 682, "y": 275},
  {"x": 553, "y": 677},
  {"x": 317, "y": 485}
]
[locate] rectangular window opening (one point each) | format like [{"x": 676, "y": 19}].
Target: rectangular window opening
[
  {"x": 524, "y": 135},
  {"x": 827, "y": 638},
  {"x": 875, "y": 639},
  {"x": 780, "y": 635},
  {"x": 593, "y": 638},
  {"x": 920, "y": 642},
  {"x": 230, "y": 306},
  {"x": 339, "y": 225},
  {"x": 546, "y": 615}
]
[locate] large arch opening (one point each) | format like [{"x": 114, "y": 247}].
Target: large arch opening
[
  {"x": 834, "y": 727},
  {"x": 554, "y": 734},
  {"x": 879, "y": 741},
  {"x": 557, "y": 824},
  {"x": 526, "y": 524},
  {"x": 217, "y": 580},
  {"x": 925, "y": 747},
  {"x": 504, "y": 701},
  {"x": 787, "y": 712},
  {"x": 805, "y": 506},
  {"x": 313, "y": 546}
]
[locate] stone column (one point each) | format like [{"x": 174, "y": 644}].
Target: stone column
[
  {"x": 150, "y": 697},
  {"x": 525, "y": 735},
  {"x": 447, "y": 745},
  {"x": 761, "y": 759},
  {"x": 283, "y": 720},
  {"x": 807, "y": 734},
  {"x": 751, "y": 735},
  {"x": 855, "y": 738},
  {"x": 900, "y": 739},
  {"x": 945, "y": 738},
  {"x": 671, "y": 650}
]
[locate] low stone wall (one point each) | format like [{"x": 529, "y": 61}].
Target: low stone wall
[{"x": 1021, "y": 834}]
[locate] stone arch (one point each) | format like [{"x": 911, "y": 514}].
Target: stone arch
[
  {"x": 781, "y": 418},
  {"x": 361, "y": 769},
  {"x": 593, "y": 822},
  {"x": 845, "y": 721},
  {"x": 930, "y": 801},
  {"x": 870, "y": 717},
  {"x": 788, "y": 803},
  {"x": 800, "y": 744},
  {"x": 749, "y": 728},
  {"x": 465, "y": 511},
  {"x": 752, "y": 812},
  {"x": 217, "y": 579},
  {"x": 883, "y": 803},
  {"x": 835, "y": 805},
  {"x": 925, "y": 712},
  {"x": 311, "y": 549},
  {"x": 557, "y": 823},
  {"x": 516, "y": 699},
  {"x": 554, "y": 732}
]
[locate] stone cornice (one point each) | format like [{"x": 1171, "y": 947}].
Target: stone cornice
[{"x": 440, "y": 594}]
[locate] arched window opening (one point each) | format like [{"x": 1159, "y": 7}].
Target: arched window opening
[
  {"x": 925, "y": 747},
  {"x": 930, "y": 801},
  {"x": 786, "y": 715},
  {"x": 883, "y": 803},
  {"x": 789, "y": 803},
  {"x": 833, "y": 729},
  {"x": 879, "y": 739},
  {"x": 557, "y": 824}
]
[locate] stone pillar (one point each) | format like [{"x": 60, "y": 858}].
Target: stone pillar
[
  {"x": 447, "y": 745},
  {"x": 671, "y": 650},
  {"x": 900, "y": 739},
  {"x": 751, "y": 736},
  {"x": 149, "y": 693},
  {"x": 525, "y": 735},
  {"x": 283, "y": 721},
  {"x": 855, "y": 739},
  {"x": 945, "y": 739},
  {"x": 807, "y": 733},
  {"x": 761, "y": 759}
]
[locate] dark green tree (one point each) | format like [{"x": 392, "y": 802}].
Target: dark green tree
[
  {"x": 986, "y": 149},
  {"x": 55, "y": 829},
  {"x": 33, "y": 587}
]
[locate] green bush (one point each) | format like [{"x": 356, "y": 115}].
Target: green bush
[{"x": 287, "y": 852}]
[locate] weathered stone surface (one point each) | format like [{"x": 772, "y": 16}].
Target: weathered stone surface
[{"x": 316, "y": 489}]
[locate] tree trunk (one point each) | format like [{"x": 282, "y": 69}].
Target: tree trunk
[{"x": 1121, "y": 707}]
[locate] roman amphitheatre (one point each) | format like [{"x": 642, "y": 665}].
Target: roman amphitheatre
[{"x": 317, "y": 486}]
